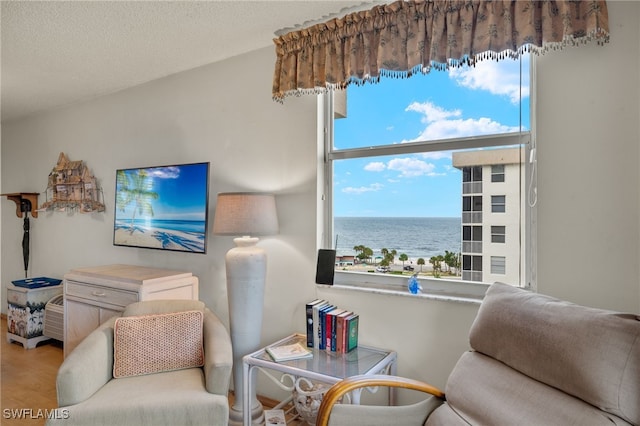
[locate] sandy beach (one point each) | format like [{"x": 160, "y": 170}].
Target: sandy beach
[
  {"x": 397, "y": 267},
  {"x": 159, "y": 238}
]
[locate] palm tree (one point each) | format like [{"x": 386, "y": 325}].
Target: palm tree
[
  {"x": 450, "y": 260},
  {"x": 134, "y": 187},
  {"x": 420, "y": 262},
  {"x": 363, "y": 252},
  {"x": 368, "y": 253},
  {"x": 403, "y": 258},
  {"x": 392, "y": 255},
  {"x": 436, "y": 262}
]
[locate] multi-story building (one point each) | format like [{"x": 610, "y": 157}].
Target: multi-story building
[{"x": 492, "y": 214}]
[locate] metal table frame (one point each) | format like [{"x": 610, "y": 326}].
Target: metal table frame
[{"x": 326, "y": 367}]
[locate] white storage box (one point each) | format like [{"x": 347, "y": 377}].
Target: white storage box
[{"x": 54, "y": 318}]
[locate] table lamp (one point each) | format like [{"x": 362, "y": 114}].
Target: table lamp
[{"x": 247, "y": 215}]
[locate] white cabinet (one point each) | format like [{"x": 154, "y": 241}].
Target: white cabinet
[{"x": 93, "y": 295}]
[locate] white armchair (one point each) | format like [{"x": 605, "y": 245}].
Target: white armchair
[{"x": 88, "y": 394}]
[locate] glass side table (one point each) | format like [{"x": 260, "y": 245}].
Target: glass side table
[{"x": 326, "y": 367}]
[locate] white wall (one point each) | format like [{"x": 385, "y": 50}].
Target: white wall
[
  {"x": 589, "y": 202},
  {"x": 588, "y": 150},
  {"x": 218, "y": 113}
]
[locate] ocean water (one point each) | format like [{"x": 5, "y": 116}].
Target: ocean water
[
  {"x": 415, "y": 236},
  {"x": 191, "y": 226}
]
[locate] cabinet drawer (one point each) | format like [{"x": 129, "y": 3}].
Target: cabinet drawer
[{"x": 100, "y": 294}]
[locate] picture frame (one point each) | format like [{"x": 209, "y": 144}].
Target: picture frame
[{"x": 162, "y": 207}]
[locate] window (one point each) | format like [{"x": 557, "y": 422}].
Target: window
[
  {"x": 498, "y": 265},
  {"x": 498, "y": 203},
  {"x": 404, "y": 165},
  {"x": 472, "y": 239},
  {"x": 498, "y": 234},
  {"x": 472, "y": 209},
  {"x": 472, "y": 180},
  {"x": 497, "y": 173},
  {"x": 471, "y": 268}
]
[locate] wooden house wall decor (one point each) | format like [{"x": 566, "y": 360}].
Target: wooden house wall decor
[{"x": 72, "y": 186}]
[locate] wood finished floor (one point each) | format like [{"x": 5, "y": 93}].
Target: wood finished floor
[{"x": 28, "y": 381}]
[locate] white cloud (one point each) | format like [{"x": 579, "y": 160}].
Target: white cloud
[
  {"x": 360, "y": 190},
  {"x": 376, "y": 166},
  {"x": 410, "y": 167},
  {"x": 165, "y": 172},
  {"x": 462, "y": 128},
  {"x": 432, "y": 113},
  {"x": 499, "y": 78},
  {"x": 443, "y": 124}
]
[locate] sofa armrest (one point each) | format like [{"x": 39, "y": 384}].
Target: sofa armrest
[
  {"x": 338, "y": 390},
  {"x": 218, "y": 356},
  {"x": 88, "y": 367}
]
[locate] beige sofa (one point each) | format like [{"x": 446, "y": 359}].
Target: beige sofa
[
  {"x": 534, "y": 360},
  {"x": 89, "y": 395}
]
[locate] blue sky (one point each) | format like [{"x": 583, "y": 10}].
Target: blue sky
[
  {"x": 182, "y": 193},
  {"x": 440, "y": 105}
]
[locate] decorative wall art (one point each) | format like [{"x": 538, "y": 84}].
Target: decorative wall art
[
  {"x": 72, "y": 187},
  {"x": 162, "y": 207}
]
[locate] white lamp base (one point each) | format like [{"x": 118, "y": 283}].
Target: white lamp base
[{"x": 246, "y": 266}]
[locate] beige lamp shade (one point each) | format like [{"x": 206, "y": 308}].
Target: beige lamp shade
[{"x": 245, "y": 213}]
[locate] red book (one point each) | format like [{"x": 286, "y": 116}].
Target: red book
[
  {"x": 340, "y": 331},
  {"x": 329, "y": 332}
]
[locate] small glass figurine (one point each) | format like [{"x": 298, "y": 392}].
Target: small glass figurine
[{"x": 414, "y": 286}]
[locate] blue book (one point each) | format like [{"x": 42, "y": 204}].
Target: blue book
[
  {"x": 332, "y": 324},
  {"x": 309, "y": 318},
  {"x": 316, "y": 322},
  {"x": 322, "y": 319}
]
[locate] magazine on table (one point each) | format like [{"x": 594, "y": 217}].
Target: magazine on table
[{"x": 288, "y": 352}]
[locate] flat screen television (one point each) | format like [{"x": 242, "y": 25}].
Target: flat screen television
[{"x": 162, "y": 207}]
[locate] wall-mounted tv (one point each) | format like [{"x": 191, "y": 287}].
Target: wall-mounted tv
[{"x": 162, "y": 207}]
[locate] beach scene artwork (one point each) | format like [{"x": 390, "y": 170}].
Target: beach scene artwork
[{"x": 163, "y": 207}]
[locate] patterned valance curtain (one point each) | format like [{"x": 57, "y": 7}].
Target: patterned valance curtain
[{"x": 407, "y": 37}]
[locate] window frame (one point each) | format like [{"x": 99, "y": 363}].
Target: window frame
[
  {"x": 498, "y": 203},
  {"x": 433, "y": 288},
  {"x": 474, "y": 241},
  {"x": 497, "y": 173},
  {"x": 498, "y": 237},
  {"x": 498, "y": 265}
]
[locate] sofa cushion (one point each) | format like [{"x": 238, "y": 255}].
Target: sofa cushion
[
  {"x": 171, "y": 398},
  {"x": 483, "y": 391},
  {"x": 162, "y": 306},
  {"x": 589, "y": 353},
  {"x": 155, "y": 343}
]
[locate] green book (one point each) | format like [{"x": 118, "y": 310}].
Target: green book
[{"x": 352, "y": 330}]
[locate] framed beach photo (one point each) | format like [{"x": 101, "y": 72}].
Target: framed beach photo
[{"x": 162, "y": 207}]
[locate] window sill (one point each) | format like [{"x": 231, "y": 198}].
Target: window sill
[{"x": 432, "y": 289}]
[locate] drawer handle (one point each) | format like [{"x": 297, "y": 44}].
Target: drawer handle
[{"x": 99, "y": 293}]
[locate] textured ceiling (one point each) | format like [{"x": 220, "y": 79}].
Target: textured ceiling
[{"x": 58, "y": 52}]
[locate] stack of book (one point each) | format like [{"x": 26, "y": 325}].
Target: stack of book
[{"x": 330, "y": 327}]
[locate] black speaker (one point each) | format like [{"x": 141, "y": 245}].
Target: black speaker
[{"x": 326, "y": 266}]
